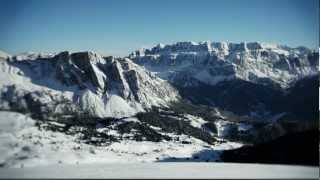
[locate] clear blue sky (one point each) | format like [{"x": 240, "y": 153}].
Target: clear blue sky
[{"x": 117, "y": 27}]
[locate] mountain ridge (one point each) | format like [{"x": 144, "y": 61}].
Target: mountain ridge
[
  {"x": 172, "y": 104},
  {"x": 91, "y": 81},
  {"x": 213, "y": 62}
]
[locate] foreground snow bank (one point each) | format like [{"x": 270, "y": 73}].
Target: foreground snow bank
[{"x": 164, "y": 170}]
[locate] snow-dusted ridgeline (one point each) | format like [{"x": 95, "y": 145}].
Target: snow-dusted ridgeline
[{"x": 213, "y": 62}]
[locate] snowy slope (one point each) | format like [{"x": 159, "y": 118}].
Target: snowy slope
[
  {"x": 165, "y": 171},
  {"x": 213, "y": 62},
  {"x": 83, "y": 81},
  {"x": 23, "y": 143},
  {"x": 29, "y": 151}
]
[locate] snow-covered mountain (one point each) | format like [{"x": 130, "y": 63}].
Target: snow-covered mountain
[
  {"x": 188, "y": 63},
  {"x": 182, "y": 102},
  {"x": 96, "y": 109},
  {"x": 80, "y": 82}
]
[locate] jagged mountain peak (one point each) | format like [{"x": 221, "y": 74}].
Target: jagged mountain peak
[{"x": 102, "y": 86}]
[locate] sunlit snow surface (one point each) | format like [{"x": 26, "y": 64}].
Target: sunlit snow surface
[
  {"x": 22, "y": 144},
  {"x": 165, "y": 170}
]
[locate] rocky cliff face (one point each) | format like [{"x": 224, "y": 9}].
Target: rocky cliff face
[
  {"x": 84, "y": 81},
  {"x": 214, "y": 62}
]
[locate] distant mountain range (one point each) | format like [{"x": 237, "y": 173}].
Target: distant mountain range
[
  {"x": 189, "y": 63},
  {"x": 245, "y": 92}
]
